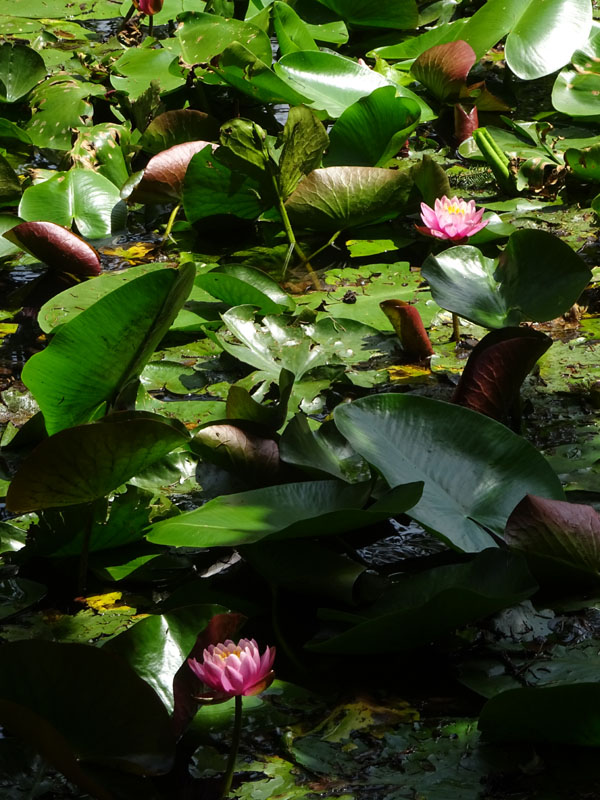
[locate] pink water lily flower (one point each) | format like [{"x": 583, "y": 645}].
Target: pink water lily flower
[
  {"x": 230, "y": 669},
  {"x": 452, "y": 219},
  {"x": 149, "y": 7}
]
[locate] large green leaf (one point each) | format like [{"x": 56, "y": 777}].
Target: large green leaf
[
  {"x": 109, "y": 342},
  {"x": 212, "y": 188},
  {"x": 575, "y": 89},
  {"x": 21, "y": 68},
  {"x": 138, "y": 67},
  {"x": 238, "y": 285},
  {"x": 475, "y": 470},
  {"x": 60, "y": 105},
  {"x": 391, "y": 14},
  {"x": 541, "y": 35},
  {"x": 417, "y": 609},
  {"x": 46, "y": 699},
  {"x": 292, "y": 32},
  {"x": 331, "y": 82},
  {"x": 545, "y": 36},
  {"x": 389, "y": 120},
  {"x": 79, "y": 196},
  {"x": 204, "y": 36},
  {"x": 86, "y": 462},
  {"x": 537, "y": 278},
  {"x": 288, "y": 511},
  {"x": 335, "y": 198},
  {"x": 157, "y": 647}
]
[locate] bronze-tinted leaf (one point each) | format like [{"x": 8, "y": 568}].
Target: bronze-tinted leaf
[
  {"x": 496, "y": 369},
  {"x": 234, "y": 448},
  {"x": 58, "y": 247},
  {"x": 443, "y": 69},
  {"x": 163, "y": 177},
  {"x": 179, "y": 126},
  {"x": 409, "y": 328},
  {"x": 567, "y": 532}
]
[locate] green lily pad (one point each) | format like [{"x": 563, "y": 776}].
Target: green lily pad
[
  {"x": 475, "y": 470},
  {"x": 389, "y": 118},
  {"x": 335, "y": 198},
  {"x": 537, "y": 278},
  {"x": 86, "y": 462}
]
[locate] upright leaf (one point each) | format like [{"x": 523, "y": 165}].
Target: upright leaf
[
  {"x": 109, "y": 342},
  {"x": 304, "y": 140}
]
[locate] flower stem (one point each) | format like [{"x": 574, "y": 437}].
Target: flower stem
[
  {"x": 150, "y": 25},
  {"x": 235, "y": 743}
]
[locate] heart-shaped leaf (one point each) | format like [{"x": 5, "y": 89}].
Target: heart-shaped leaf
[
  {"x": 537, "y": 278},
  {"x": 79, "y": 196},
  {"x": 475, "y": 470},
  {"x": 335, "y": 198}
]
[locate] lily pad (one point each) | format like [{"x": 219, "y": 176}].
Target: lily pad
[
  {"x": 537, "y": 278},
  {"x": 475, "y": 470},
  {"x": 335, "y": 198}
]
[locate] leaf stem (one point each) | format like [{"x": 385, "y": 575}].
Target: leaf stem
[
  {"x": 171, "y": 222},
  {"x": 497, "y": 160},
  {"x": 325, "y": 246},
  {"x": 455, "y": 328},
  {"x": 127, "y": 17},
  {"x": 289, "y": 231},
  {"x": 235, "y": 744}
]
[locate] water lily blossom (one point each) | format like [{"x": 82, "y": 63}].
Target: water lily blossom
[
  {"x": 233, "y": 670},
  {"x": 451, "y": 219},
  {"x": 149, "y": 7}
]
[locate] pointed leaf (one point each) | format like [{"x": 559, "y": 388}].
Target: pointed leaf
[
  {"x": 86, "y": 462},
  {"x": 389, "y": 119},
  {"x": 110, "y": 341},
  {"x": 568, "y": 532},
  {"x": 475, "y": 470}
]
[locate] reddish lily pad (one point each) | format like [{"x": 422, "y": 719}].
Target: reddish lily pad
[
  {"x": 58, "y": 247},
  {"x": 566, "y": 532},
  {"x": 443, "y": 69},
  {"x": 496, "y": 369},
  {"x": 163, "y": 177}
]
